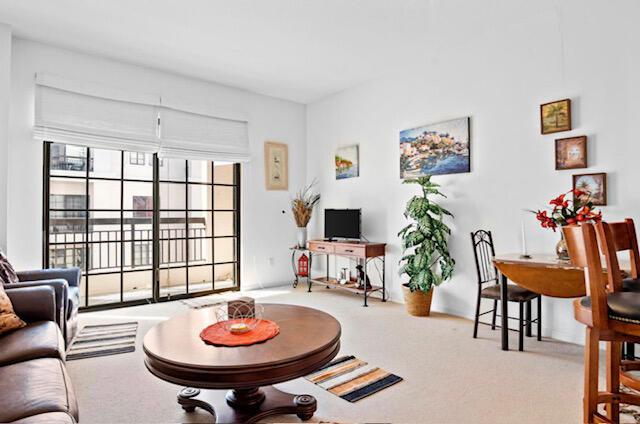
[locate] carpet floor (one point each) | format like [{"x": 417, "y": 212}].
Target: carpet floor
[{"x": 448, "y": 376}]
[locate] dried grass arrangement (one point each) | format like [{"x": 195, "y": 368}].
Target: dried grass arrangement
[{"x": 302, "y": 205}]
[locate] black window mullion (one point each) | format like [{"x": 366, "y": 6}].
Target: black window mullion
[
  {"x": 122, "y": 226},
  {"x": 186, "y": 214},
  {"x": 236, "y": 206},
  {"x": 45, "y": 202},
  {"x": 213, "y": 228},
  {"x": 156, "y": 230},
  {"x": 86, "y": 229}
]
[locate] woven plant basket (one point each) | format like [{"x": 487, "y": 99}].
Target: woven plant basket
[{"x": 418, "y": 303}]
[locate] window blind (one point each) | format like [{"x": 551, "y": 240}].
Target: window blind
[
  {"x": 188, "y": 135},
  {"x": 101, "y": 117},
  {"x": 95, "y": 116}
]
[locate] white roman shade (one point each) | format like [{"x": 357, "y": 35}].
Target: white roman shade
[
  {"x": 101, "y": 117},
  {"x": 95, "y": 116},
  {"x": 188, "y": 135}
]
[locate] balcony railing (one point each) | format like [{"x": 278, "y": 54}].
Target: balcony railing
[
  {"x": 70, "y": 163},
  {"x": 105, "y": 242}
]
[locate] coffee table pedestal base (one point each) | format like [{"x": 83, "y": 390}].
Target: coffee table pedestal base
[{"x": 249, "y": 405}]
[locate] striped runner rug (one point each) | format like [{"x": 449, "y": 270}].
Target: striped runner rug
[
  {"x": 103, "y": 340},
  {"x": 352, "y": 378},
  {"x": 201, "y": 302}
]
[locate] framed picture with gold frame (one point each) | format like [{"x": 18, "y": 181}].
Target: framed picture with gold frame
[
  {"x": 276, "y": 165},
  {"x": 555, "y": 116}
]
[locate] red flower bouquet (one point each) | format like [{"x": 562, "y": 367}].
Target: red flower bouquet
[{"x": 568, "y": 212}]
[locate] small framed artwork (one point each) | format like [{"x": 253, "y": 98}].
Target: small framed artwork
[
  {"x": 276, "y": 165},
  {"x": 347, "y": 162},
  {"x": 555, "y": 116},
  {"x": 594, "y": 187},
  {"x": 571, "y": 153}
]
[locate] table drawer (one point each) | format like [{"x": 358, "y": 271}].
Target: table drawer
[
  {"x": 358, "y": 251},
  {"x": 321, "y": 247}
]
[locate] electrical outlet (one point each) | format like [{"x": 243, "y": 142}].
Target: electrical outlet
[{"x": 271, "y": 261}]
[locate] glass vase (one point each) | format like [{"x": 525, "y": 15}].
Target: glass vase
[{"x": 561, "y": 248}]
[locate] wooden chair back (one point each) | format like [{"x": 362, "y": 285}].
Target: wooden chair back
[
  {"x": 582, "y": 243},
  {"x": 483, "y": 252},
  {"x": 624, "y": 238},
  {"x": 611, "y": 237}
]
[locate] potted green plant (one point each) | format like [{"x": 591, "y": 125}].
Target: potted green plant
[{"x": 426, "y": 259}]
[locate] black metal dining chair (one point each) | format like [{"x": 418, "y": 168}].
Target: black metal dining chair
[{"x": 489, "y": 288}]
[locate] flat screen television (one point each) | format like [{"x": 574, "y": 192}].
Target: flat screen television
[{"x": 342, "y": 223}]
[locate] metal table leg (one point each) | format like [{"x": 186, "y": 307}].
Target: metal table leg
[
  {"x": 328, "y": 270},
  {"x": 295, "y": 271},
  {"x": 384, "y": 288},
  {"x": 528, "y": 318},
  {"x": 364, "y": 269},
  {"x": 504, "y": 312},
  {"x": 309, "y": 283},
  {"x": 310, "y": 268}
]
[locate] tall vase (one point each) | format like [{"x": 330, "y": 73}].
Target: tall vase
[
  {"x": 561, "y": 248},
  {"x": 302, "y": 237}
]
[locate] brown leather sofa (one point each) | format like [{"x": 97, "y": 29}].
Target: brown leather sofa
[
  {"x": 34, "y": 385},
  {"x": 66, "y": 285}
]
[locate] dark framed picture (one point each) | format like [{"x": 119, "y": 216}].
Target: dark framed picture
[
  {"x": 571, "y": 153},
  {"x": 594, "y": 186},
  {"x": 555, "y": 116}
]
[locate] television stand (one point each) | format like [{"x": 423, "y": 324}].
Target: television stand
[{"x": 360, "y": 250}]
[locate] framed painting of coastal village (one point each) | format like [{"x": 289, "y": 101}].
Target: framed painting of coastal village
[
  {"x": 555, "y": 116},
  {"x": 593, "y": 187},
  {"x": 435, "y": 149},
  {"x": 571, "y": 153},
  {"x": 347, "y": 163}
]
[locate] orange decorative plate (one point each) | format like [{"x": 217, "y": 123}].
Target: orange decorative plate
[{"x": 217, "y": 334}]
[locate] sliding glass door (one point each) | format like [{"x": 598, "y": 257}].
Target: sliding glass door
[
  {"x": 199, "y": 225},
  {"x": 141, "y": 228}
]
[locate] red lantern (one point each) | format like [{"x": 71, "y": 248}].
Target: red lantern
[{"x": 303, "y": 266}]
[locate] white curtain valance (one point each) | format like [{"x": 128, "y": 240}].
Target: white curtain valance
[
  {"x": 83, "y": 118},
  {"x": 188, "y": 135},
  {"x": 101, "y": 117}
]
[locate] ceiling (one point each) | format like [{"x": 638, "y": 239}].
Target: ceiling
[{"x": 300, "y": 50}]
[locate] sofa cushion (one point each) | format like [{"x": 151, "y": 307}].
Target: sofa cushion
[
  {"x": 7, "y": 273},
  {"x": 9, "y": 321},
  {"x": 48, "y": 418},
  {"x": 73, "y": 294},
  {"x": 35, "y": 387},
  {"x": 41, "y": 339}
]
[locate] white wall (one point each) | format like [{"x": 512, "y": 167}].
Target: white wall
[
  {"x": 5, "y": 90},
  {"x": 495, "y": 62},
  {"x": 266, "y": 232}
]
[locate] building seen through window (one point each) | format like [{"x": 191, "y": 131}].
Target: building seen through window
[{"x": 101, "y": 212}]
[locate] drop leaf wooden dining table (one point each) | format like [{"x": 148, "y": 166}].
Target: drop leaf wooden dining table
[{"x": 543, "y": 274}]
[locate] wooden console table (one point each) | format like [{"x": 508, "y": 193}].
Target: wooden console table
[{"x": 362, "y": 251}]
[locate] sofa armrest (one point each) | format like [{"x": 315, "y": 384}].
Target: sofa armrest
[
  {"x": 60, "y": 288},
  {"x": 71, "y": 275},
  {"x": 34, "y": 303}
]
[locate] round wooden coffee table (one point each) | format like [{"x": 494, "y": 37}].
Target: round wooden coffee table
[{"x": 308, "y": 339}]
